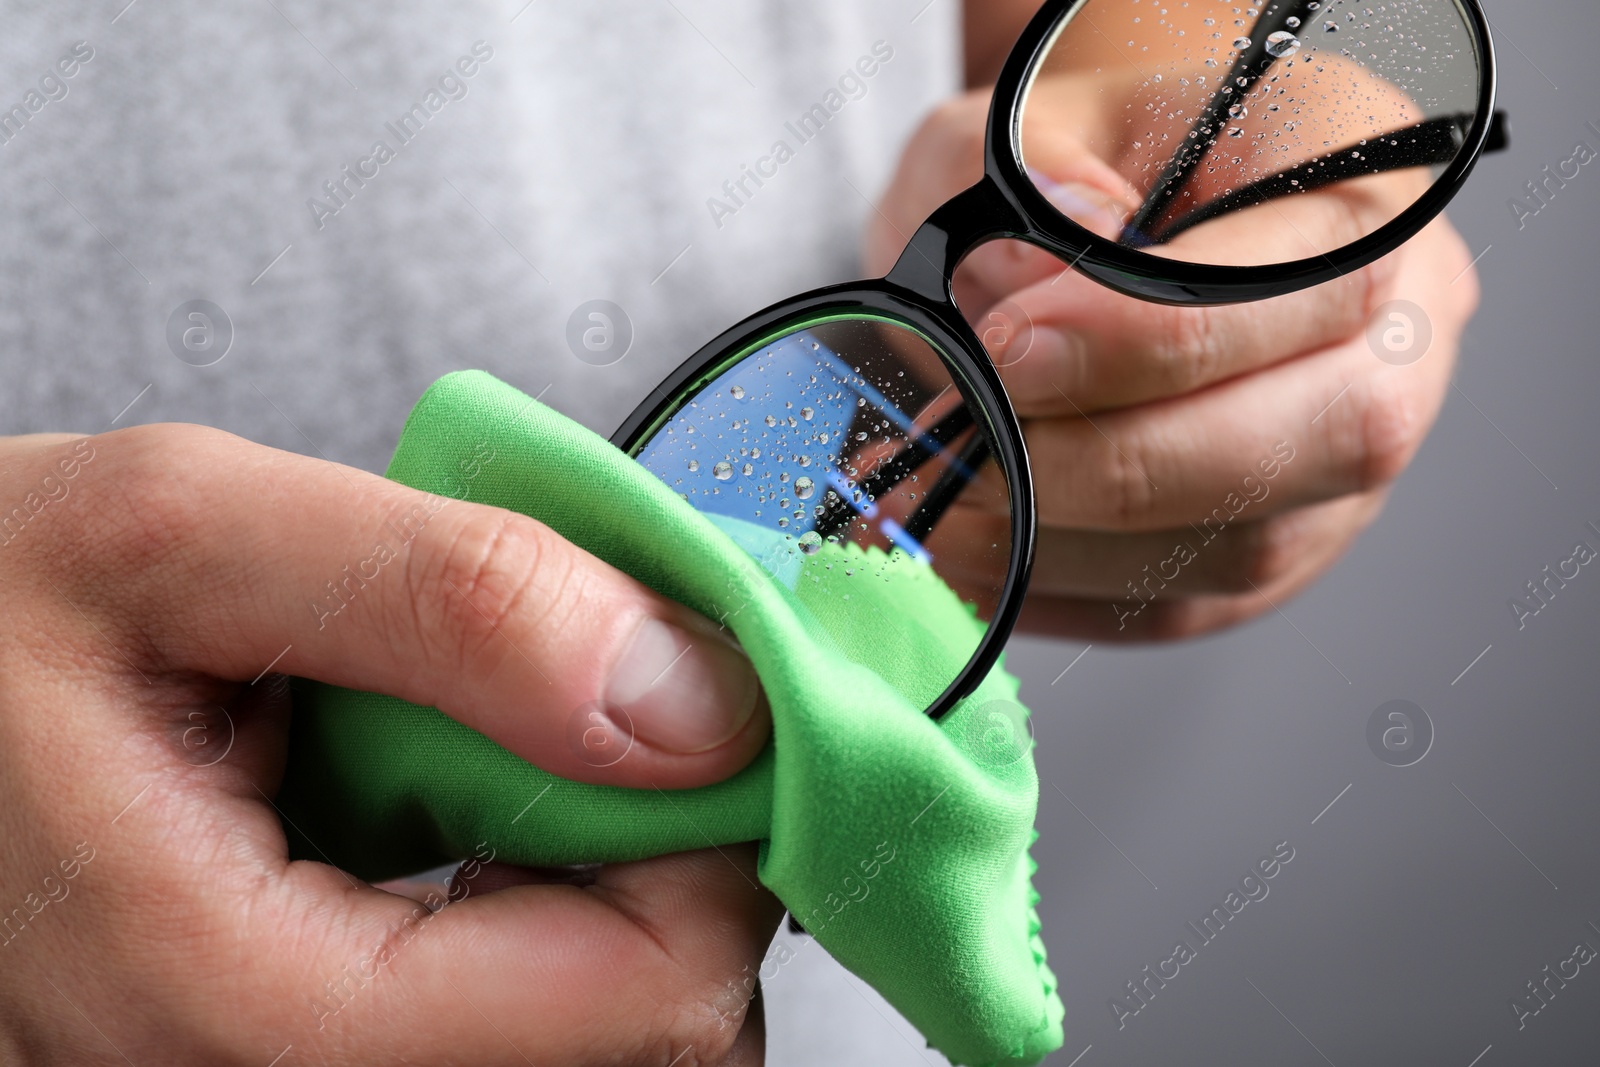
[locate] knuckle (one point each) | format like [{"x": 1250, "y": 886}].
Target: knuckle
[
  {"x": 1392, "y": 424},
  {"x": 1465, "y": 294},
  {"x": 946, "y": 115},
  {"x": 148, "y": 500},
  {"x": 1355, "y": 217},
  {"x": 1374, "y": 282},
  {"x": 699, "y": 1023},
  {"x": 1192, "y": 356},
  {"x": 955, "y": 129},
  {"x": 1265, "y": 553},
  {"x": 1128, "y": 495},
  {"x": 470, "y": 587}
]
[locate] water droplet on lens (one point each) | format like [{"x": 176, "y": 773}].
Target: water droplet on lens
[
  {"x": 1241, "y": 43},
  {"x": 747, "y": 470},
  {"x": 804, "y": 487},
  {"x": 1238, "y": 111},
  {"x": 1330, "y": 27},
  {"x": 810, "y": 541},
  {"x": 772, "y": 420},
  {"x": 1292, "y": 22},
  {"x": 1283, "y": 43},
  {"x": 722, "y": 471},
  {"x": 694, "y": 465},
  {"x": 738, "y": 392},
  {"x": 806, "y": 413}
]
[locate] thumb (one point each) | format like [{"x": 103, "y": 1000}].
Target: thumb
[
  {"x": 259, "y": 558},
  {"x": 653, "y": 961}
]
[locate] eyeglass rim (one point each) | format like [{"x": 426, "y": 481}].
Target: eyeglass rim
[
  {"x": 940, "y": 324},
  {"x": 1171, "y": 281},
  {"x": 1006, "y": 204}
]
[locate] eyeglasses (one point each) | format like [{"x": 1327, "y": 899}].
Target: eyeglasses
[{"x": 1257, "y": 150}]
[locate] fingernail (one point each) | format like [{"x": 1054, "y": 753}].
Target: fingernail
[
  {"x": 1089, "y": 207},
  {"x": 684, "y": 692},
  {"x": 1056, "y": 364}
]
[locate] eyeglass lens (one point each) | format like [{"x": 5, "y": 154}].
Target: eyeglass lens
[
  {"x": 1248, "y": 134},
  {"x": 845, "y": 460}
]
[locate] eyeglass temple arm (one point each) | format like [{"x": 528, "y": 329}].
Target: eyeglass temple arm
[
  {"x": 1252, "y": 63},
  {"x": 947, "y": 488},
  {"x": 1430, "y": 143},
  {"x": 837, "y": 509}
]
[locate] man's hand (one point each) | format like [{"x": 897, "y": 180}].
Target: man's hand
[
  {"x": 148, "y": 912},
  {"x": 1193, "y": 466}
]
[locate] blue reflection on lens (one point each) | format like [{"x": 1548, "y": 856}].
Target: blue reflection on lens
[{"x": 762, "y": 443}]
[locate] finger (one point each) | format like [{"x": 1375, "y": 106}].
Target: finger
[
  {"x": 750, "y": 1047},
  {"x": 993, "y": 273},
  {"x": 1304, "y": 226},
  {"x": 1179, "y": 350},
  {"x": 656, "y": 958},
  {"x": 943, "y": 156},
  {"x": 1092, "y": 349},
  {"x": 475, "y": 879},
  {"x": 1140, "y": 568},
  {"x": 184, "y": 874},
  {"x": 257, "y": 558},
  {"x": 1131, "y": 619},
  {"x": 1318, "y": 427},
  {"x": 653, "y": 958},
  {"x": 996, "y": 269}
]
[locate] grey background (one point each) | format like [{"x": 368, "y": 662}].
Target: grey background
[{"x": 1406, "y": 920}]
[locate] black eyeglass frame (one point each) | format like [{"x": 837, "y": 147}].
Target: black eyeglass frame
[{"x": 917, "y": 292}]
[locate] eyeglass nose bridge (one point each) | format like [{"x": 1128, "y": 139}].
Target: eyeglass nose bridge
[{"x": 979, "y": 213}]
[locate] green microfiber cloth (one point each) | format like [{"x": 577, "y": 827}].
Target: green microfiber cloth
[{"x": 899, "y": 842}]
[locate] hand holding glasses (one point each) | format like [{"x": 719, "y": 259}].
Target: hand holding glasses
[{"x": 1248, "y": 152}]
